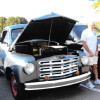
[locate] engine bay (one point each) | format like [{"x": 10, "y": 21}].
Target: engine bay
[{"x": 41, "y": 49}]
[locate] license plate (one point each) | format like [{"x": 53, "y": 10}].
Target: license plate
[{"x": 85, "y": 69}]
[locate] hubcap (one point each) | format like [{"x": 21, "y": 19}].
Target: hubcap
[{"x": 14, "y": 85}]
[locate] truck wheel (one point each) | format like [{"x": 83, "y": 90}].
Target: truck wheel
[{"x": 16, "y": 88}]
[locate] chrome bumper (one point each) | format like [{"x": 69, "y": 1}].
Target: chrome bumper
[{"x": 57, "y": 83}]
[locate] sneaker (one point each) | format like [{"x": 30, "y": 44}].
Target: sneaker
[
  {"x": 90, "y": 85},
  {"x": 97, "y": 81}
]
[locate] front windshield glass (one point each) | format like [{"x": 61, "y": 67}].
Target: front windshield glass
[
  {"x": 79, "y": 29},
  {"x": 15, "y": 33}
]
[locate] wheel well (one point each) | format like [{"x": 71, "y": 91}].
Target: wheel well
[{"x": 8, "y": 71}]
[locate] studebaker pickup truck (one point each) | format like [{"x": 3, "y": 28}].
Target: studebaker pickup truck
[{"x": 35, "y": 56}]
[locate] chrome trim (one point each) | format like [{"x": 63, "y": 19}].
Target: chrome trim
[
  {"x": 58, "y": 62},
  {"x": 65, "y": 67},
  {"x": 57, "y": 83},
  {"x": 58, "y": 68},
  {"x": 58, "y": 74}
]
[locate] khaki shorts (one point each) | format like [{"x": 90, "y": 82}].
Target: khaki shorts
[{"x": 92, "y": 60}]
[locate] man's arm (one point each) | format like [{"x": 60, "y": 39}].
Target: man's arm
[
  {"x": 96, "y": 53},
  {"x": 97, "y": 47},
  {"x": 86, "y": 47}
]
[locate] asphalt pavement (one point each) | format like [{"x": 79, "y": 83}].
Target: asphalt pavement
[{"x": 64, "y": 93}]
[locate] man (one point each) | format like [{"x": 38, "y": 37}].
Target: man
[{"x": 89, "y": 42}]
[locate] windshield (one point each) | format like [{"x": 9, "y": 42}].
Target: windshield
[
  {"x": 15, "y": 33},
  {"x": 79, "y": 29}
]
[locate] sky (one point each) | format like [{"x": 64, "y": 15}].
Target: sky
[{"x": 76, "y": 9}]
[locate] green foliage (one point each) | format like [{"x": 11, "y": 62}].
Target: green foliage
[
  {"x": 11, "y": 21},
  {"x": 15, "y": 20},
  {"x": 23, "y": 20},
  {"x": 95, "y": 5},
  {"x": 2, "y": 23}
]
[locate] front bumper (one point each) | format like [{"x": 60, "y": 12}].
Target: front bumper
[{"x": 57, "y": 83}]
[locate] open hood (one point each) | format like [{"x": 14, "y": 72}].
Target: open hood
[{"x": 51, "y": 27}]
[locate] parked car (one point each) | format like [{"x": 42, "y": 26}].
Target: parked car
[
  {"x": 34, "y": 56},
  {"x": 75, "y": 37},
  {"x": 76, "y": 32}
]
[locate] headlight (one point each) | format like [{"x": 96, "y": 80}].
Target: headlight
[
  {"x": 29, "y": 68},
  {"x": 84, "y": 60}
]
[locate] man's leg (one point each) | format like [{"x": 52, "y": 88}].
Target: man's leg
[
  {"x": 89, "y": 79},
  {"x": 89, "y": 84},
  {"x": 95, "y": 71}
]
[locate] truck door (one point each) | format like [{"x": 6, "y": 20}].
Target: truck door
[{"x": 4, "y": 44}]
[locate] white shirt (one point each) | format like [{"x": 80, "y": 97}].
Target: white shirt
[{"x": 90, "y": 38}]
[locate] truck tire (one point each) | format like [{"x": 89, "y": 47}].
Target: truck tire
[{"x": 16, "y": 88}]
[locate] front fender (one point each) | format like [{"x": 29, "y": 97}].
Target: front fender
[{"x": 16, "y": 62}]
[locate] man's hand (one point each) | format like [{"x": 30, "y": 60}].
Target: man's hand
[
  {"x": 86, "y": 47},
  {"x": 91, "y": 54},
  {"x": 96, "y": 53}
]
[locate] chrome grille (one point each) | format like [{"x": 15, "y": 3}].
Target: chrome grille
[{"x": 58, "y": 68}]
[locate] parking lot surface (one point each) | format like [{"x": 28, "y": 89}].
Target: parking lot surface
[{"x": 64, "y": 93}]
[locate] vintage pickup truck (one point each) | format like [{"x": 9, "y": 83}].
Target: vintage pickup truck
[{"x": 35, "y": 56}]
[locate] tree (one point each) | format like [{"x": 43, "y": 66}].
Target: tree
[
  {"x": 20, "y": 20},
  {"x": 15, "y": 20},
  {"x": 2, "y": 23},
  {"x": 11, "y": 21},
  {"x": 96, "y": 5},
  {"x": 23, "y": 20}
]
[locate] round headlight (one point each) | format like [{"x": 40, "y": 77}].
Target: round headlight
[
  {"x": 29, "y": 68},
  {"x": 84, "y": 60}
]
